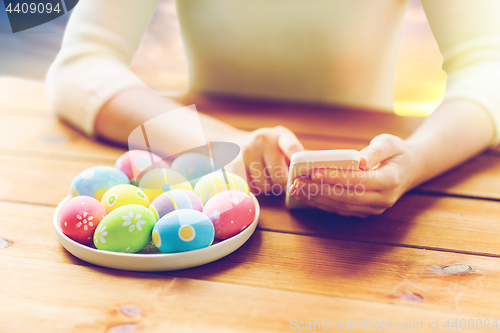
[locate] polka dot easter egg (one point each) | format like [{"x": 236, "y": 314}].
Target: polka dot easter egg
[
  {"x": 121, "y": 195},
  {"x": 214, "y": 183},
  {"x": 183, "y": 230},
  {"x": 134, "y": 162},
  {"x": 125, "y": 229},
  {"x": 175, "y": 199},
  {"x": 94, "y": 182},
  {"x": 158, "y": 181},
  {"x": 79, "y": 218},
  {"x": 230, "y": 212},
  {"x": 193, "y": 166}
]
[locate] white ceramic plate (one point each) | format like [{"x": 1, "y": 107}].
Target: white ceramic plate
[{"x": 154, "y": 262}]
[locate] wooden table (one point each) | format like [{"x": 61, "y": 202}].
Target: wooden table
[{"x": 433, "y": 257}]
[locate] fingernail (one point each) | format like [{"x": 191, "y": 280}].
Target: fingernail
[
  {"x": 318, "y": 175},
  {"x": 363, "y": 166},
  {"x": 292, "y": 190}
]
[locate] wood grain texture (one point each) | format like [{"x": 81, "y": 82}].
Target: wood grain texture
[
  {"x": 312, "y": 265},
  {"x": 48, "y": 138},
  {"x": 331, "y": 120},
  {"x": 416, "y": 220},
  {"x": 430, "y": 257},
  {"x": 51, "y": 138},
  {"x": 23, "y": 97},
  {"x": 86, "y": 299},
  {"x": 478, "y": 178}
]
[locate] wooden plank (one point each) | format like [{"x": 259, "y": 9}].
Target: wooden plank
[
  {"x": 478, "y": 178},
  {"x": 27, "y": 98},
  {"x": 416, "y": 220},
  {"x": 39, "y": 181},
  {"x": 54, "y": 297},
  {"x": 328, "y": 120},
  {"x": 23, "y": 97},
  {"x": 388, "y": 274},
  {"x": 422, "y": 221},
  {"x": 49, "y": 137}
]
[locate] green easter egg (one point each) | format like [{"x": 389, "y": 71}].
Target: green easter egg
[{"x": 125, "y": 229}]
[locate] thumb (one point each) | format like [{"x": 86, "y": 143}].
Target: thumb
[
  {"x": 288, "y": 142},
  {"x": 381, "y": 148}
]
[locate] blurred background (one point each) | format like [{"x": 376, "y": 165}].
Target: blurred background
[{"x": 160, "y": 62}]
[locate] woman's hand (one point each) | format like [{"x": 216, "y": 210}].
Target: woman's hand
[
  {"x": 386, "y": 174},
  {"x": 266, "y": 153}
]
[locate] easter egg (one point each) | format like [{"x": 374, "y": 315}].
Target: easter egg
[
  {"x": 125, "y": 229},
  {"x": 158, "y": 181},
  {"x": 122, "y": 195},
  {"x": 95, "y": 181},
  {"x": 230, "y": 212},
  {"x": 175, "y": 199},
  {"x": 183, "y": 230},
  {"x": 214, "y": 183},
  {"x": 79, "y": 217},
  {"x": 193, "y": 166},
  {"x": 134, "y": 162}
]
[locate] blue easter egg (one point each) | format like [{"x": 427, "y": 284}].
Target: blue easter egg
[
  {"x": 95, "y": 181},
  {"x": 183, "y": 230},
  {"x": 193, "y": 166}
]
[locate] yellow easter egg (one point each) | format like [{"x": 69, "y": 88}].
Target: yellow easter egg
[
  {"x": 158, "y": 181},
  {"x": 122, "y": 195},
  {"x": 213, "y": 183}
]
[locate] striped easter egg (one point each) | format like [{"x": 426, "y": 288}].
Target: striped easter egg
[
  {"x": 213, "y": 183},
  {"x": 173, "y": 200}
]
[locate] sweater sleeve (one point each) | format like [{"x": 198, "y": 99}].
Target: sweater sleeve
[
  {"x": 468, "y": 36},
  {"x": 99, "y": 44}
]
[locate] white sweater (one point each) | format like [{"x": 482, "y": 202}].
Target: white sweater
[{"x": 326, "y": 51}]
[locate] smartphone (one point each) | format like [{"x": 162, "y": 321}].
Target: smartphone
[{"x": 303, "y": 163}]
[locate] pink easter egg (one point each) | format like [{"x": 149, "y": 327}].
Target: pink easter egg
[
  {"x": 79, "y": 217},
  {"x": 134, "y": 162},
  {"x": 231, "y": 212}
]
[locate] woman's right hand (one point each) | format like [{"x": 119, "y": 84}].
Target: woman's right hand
[{"x": 266, "y": 153}]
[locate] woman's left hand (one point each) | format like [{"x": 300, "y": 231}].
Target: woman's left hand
[{"x": 387, "y": 170}]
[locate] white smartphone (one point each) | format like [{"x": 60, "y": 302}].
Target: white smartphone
[{"x": 303, "y": 163}]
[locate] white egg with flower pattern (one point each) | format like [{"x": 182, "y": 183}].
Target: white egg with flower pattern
[{"x": 125, "y": 229}]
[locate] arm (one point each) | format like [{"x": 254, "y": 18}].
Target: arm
[
  {"x": 467, "y": 122},
  {"x": 91, "y": 86},
  {"x": 263, "y": 149}
]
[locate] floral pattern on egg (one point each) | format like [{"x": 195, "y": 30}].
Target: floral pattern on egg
[
  {"x": 125, "y": 229},
  {"x": 79, "y": 218}
]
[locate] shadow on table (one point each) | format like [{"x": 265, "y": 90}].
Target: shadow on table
[{"x": 306, "y": 243}]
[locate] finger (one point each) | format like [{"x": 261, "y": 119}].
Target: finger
[
  {"x": 259, "y": 183},
  {"x": 276, "y": 167},
  {"x": 381, "y": 148},
  {"x": 362, "y": 209},
  {"x": 373, "y": 180},
  {"x": 340, "y": 196},
  {"x": 331, "y": 209},
  {"x": 288, "y": 142}
]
